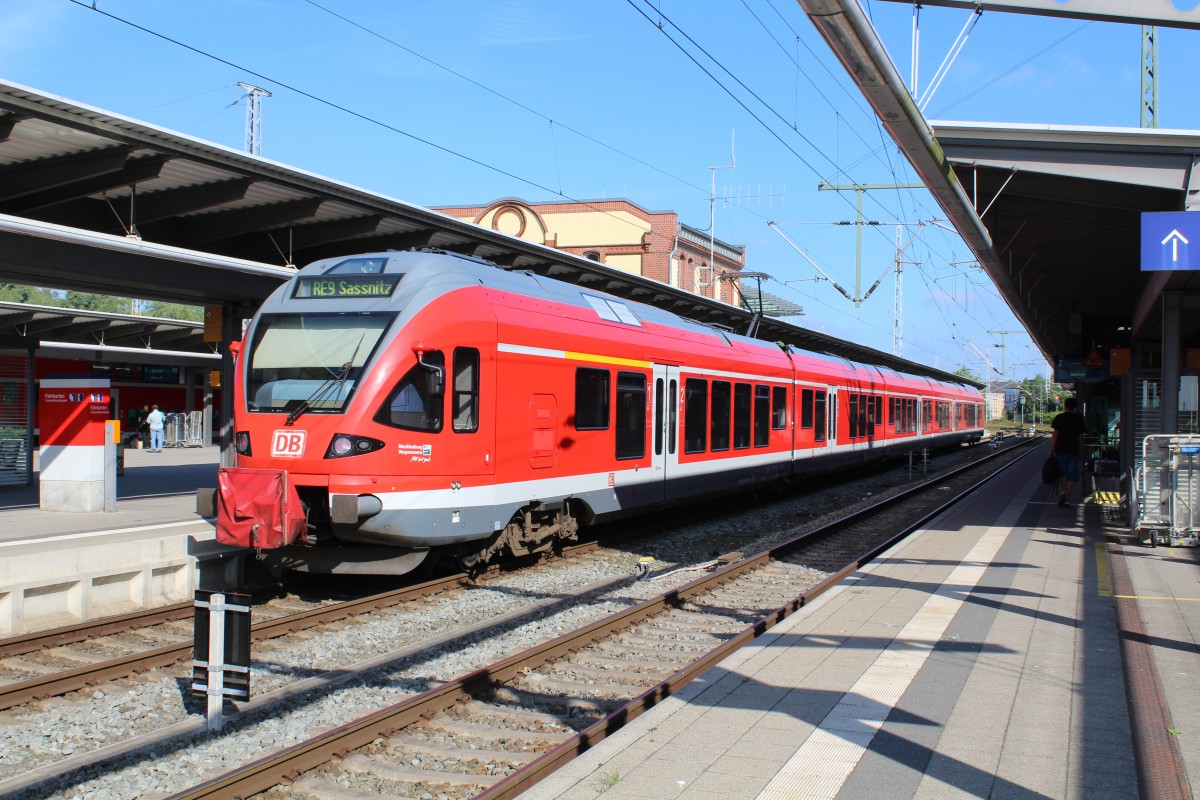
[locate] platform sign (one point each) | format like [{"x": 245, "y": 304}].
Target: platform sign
[
  {"x": 1170, "y": 240},
  {"x": 72, "y": 411}
]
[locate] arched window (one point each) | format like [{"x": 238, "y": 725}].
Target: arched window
[{"x": 592, "y": 255}]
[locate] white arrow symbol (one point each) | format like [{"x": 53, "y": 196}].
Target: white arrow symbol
[{"x": 1175, "y": 237}]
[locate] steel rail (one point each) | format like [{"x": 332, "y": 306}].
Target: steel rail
[
  {"x": 80, "y": 632},
  {"x": 287, "y": 764}
]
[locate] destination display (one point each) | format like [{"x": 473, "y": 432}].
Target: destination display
[{"x": 319, "y": 287}]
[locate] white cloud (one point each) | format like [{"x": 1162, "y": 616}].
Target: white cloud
[{"x": 521, "y": 22}]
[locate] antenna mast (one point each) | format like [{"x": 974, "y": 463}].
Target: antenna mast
[{"x": 712, "y": 210}]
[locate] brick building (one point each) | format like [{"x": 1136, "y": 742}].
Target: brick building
[{"x": 621, "y": 235}]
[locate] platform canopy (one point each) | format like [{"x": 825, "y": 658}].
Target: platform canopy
[
  {"x": 96, "y": 201},
  {"x": 30, "y": 327},
  {"x": 1051, "y": 213}
]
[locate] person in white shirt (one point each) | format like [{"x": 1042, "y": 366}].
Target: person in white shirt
[{"x": 155, "y": 419}]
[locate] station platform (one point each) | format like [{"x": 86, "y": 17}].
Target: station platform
[
  {"x": 61, "y": 567},
  {"x": 1012, "y": 649}
]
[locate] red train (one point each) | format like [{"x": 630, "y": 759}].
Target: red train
[{"x": 388, "y": 406}]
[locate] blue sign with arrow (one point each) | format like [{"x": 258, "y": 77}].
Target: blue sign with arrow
[{"x": 1170, "y": 240}]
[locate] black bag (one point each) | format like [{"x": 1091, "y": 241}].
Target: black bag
[{"x": 1050, "y": 470}]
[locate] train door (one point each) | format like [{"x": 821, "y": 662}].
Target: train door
[
  {"x": 831, "y": 408},
  {"x": 664, "y": 422}
]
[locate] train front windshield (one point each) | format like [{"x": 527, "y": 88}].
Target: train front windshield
[{"x": 310, "y": 361}]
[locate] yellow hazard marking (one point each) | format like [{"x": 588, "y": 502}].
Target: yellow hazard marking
[
  {"x": 621, "y": 362},
  {"x": 1103, "y": 576},
  {"x": 1152, "y": 597},
  {"x": 1108, "y": 498}
]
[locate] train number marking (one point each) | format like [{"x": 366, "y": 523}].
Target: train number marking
[
  {"x": 288, "y": 444},
  {"x": 612, "y": 479}
]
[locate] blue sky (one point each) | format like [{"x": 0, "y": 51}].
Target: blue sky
[{"x": 590, "y": 100}]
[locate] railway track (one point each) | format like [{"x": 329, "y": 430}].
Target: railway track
[
  {"x": 498, "y": 730},
  {"x": 64, "y": 660}
]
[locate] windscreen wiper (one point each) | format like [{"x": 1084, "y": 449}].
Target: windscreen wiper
[{"x": 333, "y": 382}]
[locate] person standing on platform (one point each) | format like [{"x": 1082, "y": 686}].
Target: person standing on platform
[
  {"x": 143, "y": 427},
  {"x": 155, "y": 420},
  {"x": 1067, "y": 446}
]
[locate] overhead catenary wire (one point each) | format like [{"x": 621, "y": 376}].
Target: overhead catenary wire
[
  {"x": 346, "y": 110},
  {"x": 366, "y": 117}
]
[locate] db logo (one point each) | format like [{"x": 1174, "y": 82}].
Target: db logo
[{"x": 288, "y": 444}]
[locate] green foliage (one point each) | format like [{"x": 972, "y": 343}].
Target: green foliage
[
  {"x": 15, "y": 293},
  {"x": 606, "y": 780},
  {"x": 174, "y": 311},
  {"x": 963, "y": 372},
  {"x": 88, "y": 301}
]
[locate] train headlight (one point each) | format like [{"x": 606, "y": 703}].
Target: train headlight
[
  {"x": 241, "y": 442},
  {"x": 345, "y": 444}
]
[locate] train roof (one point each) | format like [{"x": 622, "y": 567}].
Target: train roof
[{"x": 446, "y": 271}]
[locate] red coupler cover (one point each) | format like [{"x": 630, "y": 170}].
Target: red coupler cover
[{"x": 257, "y": 508}]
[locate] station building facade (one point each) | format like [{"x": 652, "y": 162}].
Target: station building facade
[{"x": 621, "y": 235}]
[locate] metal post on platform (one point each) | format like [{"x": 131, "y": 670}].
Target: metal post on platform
[{"x": 112, "y": 436}]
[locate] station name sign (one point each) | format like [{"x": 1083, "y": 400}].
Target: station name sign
[{"x": 320, "y": 287}]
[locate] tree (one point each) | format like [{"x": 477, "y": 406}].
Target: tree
[
  {"x": 89, "y": 301},
  {"x": 963, "y": 372},
  {"x": 174, "y": 311},
  {"x": 16, "y": 293}
]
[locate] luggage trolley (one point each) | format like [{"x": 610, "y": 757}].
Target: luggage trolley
[
  {"x": 195, "y": 429},
  {"x": 1169, "y": 490},
  {"x": 174, "y": 433}
]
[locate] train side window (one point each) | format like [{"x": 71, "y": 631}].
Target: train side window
[
  {"x": 853, "y": 416},
  {"x": 591, "y": 399},
  {"x": 658, "y": 416},
  {"x": 466, "y": 390},
  {"x": 741, "y": 416},
  {"x": 720, "y": 415},
  {"x": 631, "y": 415},
  {"x": 673, "y": 417},
  {"x": 878, "y": 416},
  {"x": 806, "y": 408},
  {"x": 926, "y": 413},
  {"x": 819, "y": 416},
  {"x": 695, "y": 416},
  {"x": 762, "y": 416},
  {"x": 779, "y": 408},
  {"x": 892, "y": 411},
  {"x": 416, "y": 403}
]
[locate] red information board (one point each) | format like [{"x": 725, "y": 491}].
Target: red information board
[{"x": 72, "y": 411}]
